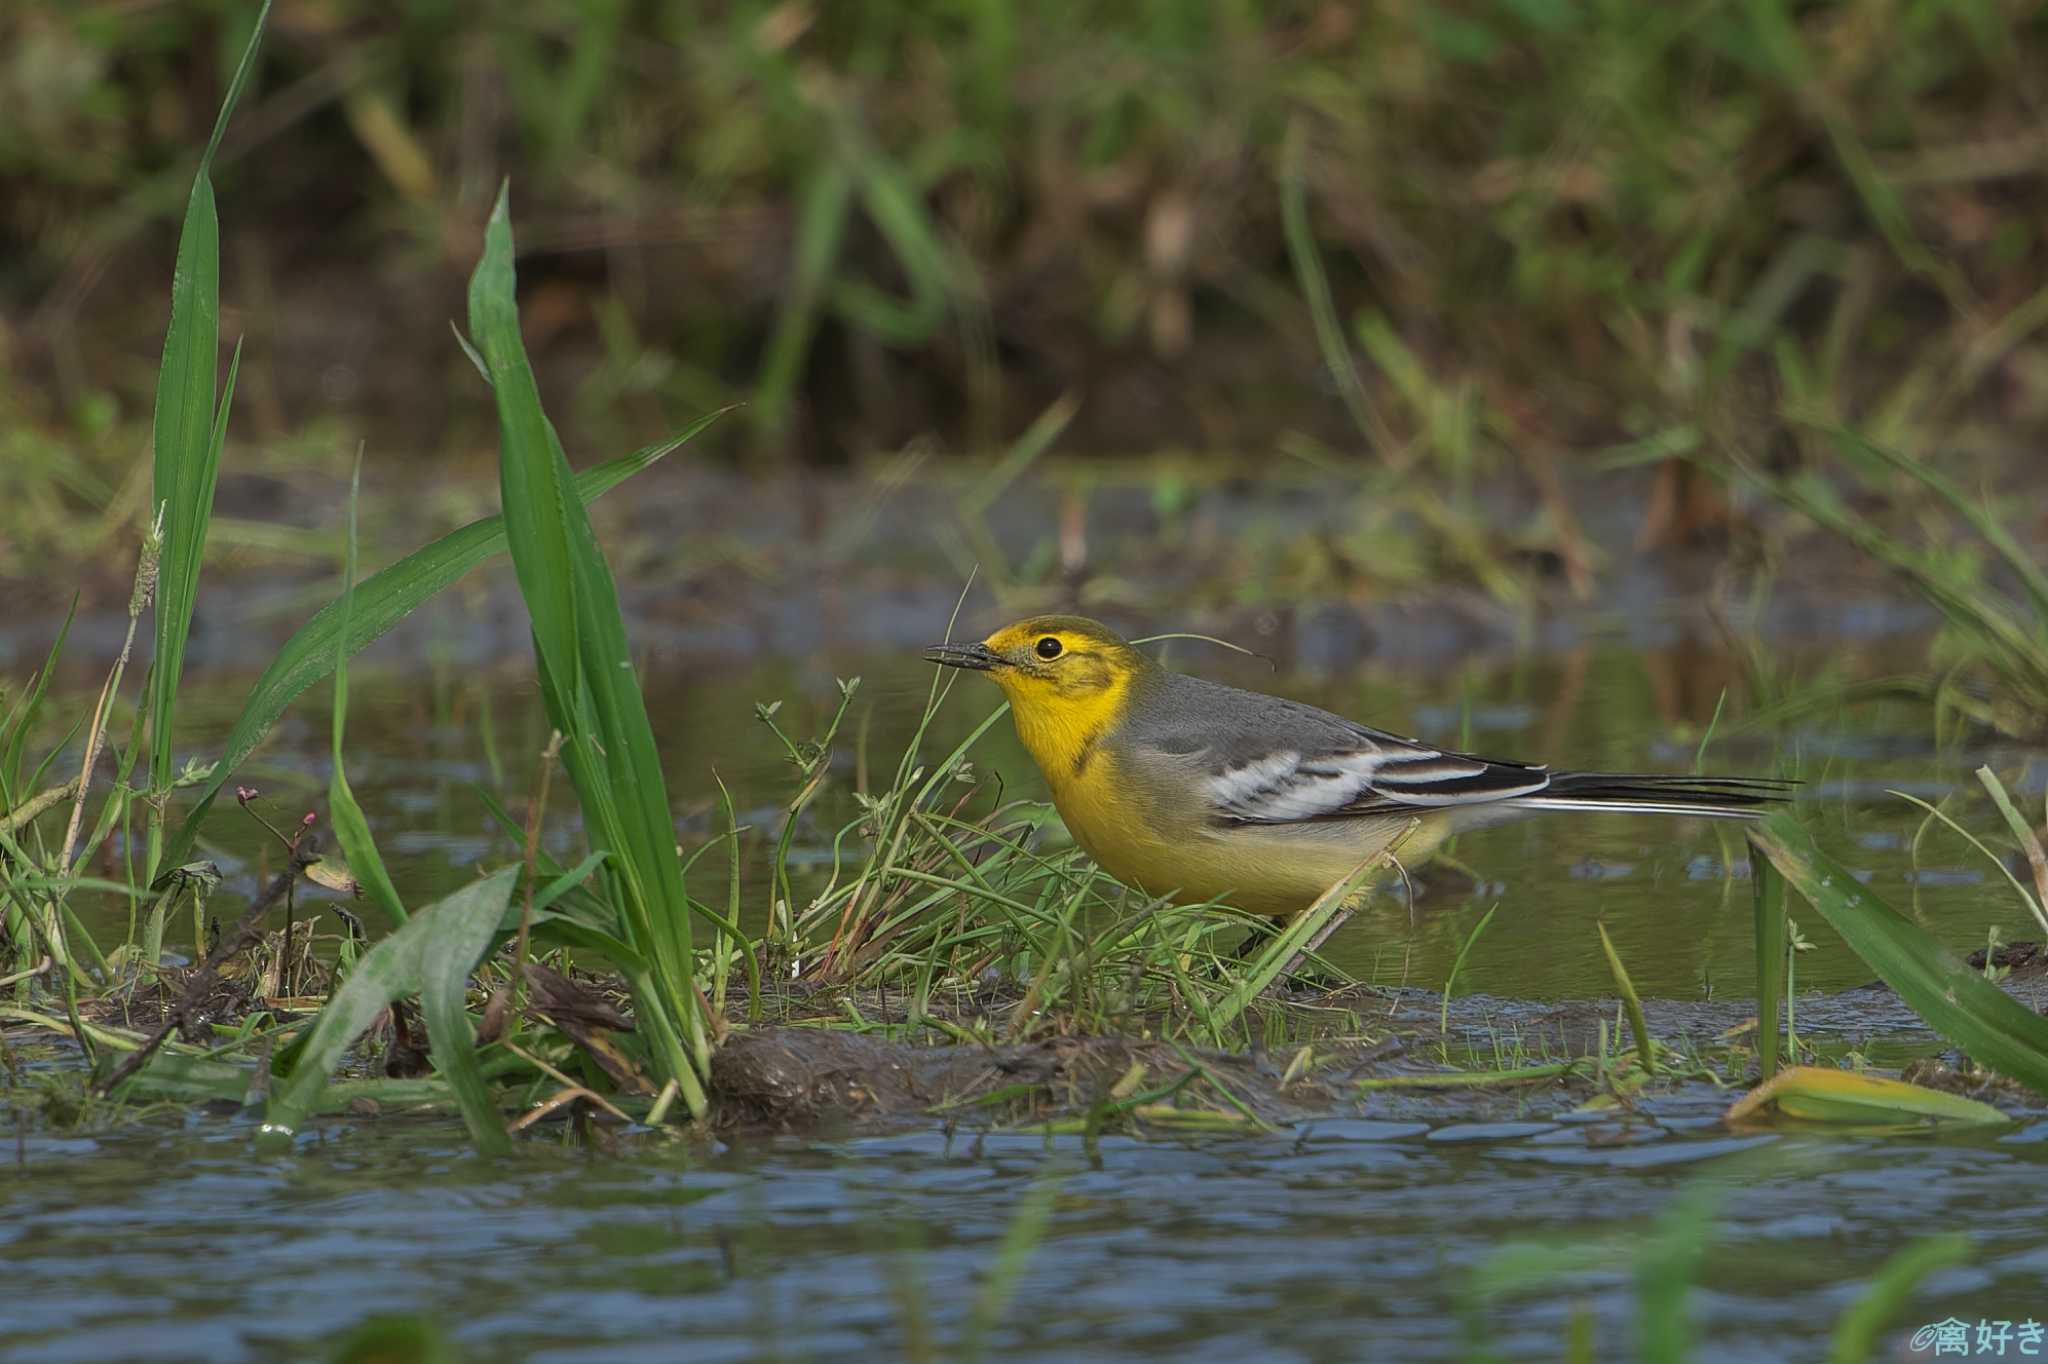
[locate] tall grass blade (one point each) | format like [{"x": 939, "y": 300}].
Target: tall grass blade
[
  {"x": 1857, "y": 1329},
  {"x": 1773, "y": 941},
  {"x": 1956, "y": 1001},
  {"x": 1638, "y": 1025},
  {"x": 1315, "y": 288},
  {"x": 2030, "y": 843},
  {"x": 1301, "y": 930},
  {"x": 365, "y": 863},
  {"x": 426, "y": 947},
  {"x": 1020, "y": 1241},
  {"x": 1666, "y": 1268},
  {"x": 186, "y": 440},
  {"x": 382, "y": 600},
  {"x": 2021, "y": 654},
  {"x": 21, "y": 716},
  {"x": 587, "y": 676},
  {"x": 822, "y": 215}
]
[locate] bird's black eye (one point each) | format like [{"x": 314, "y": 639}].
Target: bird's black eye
[{"x": 1050, "y": 647}]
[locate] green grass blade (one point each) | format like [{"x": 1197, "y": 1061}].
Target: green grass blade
[
  {"x": 1857, "y": 1330},
  {"x": 2029, "y": 843},
  {"x": 186, "y": 437},
  {"x": 1666, "y": 1267},
  {"x": 1638, "y": 1025},
  {"x": 1773, "y": 940},
  {"x": 1315, "y": 289},
  {"x": 1300, "y": 931},
  {"x": 586, "y": 672},
  {"x": 391, "y": 970},
  {"x": 21, "y": 717},
  {"x": 1013, "y": 1254},
  {"x": 1993, "y": 531},
  {"x": 365, "y": 863},
  {"x": 1956, "y": 1001},
  {"x": 381, "y": 601},
  {"x": 822, "y": 214},
  {"x": 2010, "y": 646}
]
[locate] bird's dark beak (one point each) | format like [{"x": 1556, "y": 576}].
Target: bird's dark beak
[{"x": 976, "y": 657}]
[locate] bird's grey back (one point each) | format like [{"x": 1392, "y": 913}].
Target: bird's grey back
[{"x": 1192, "y": 714}]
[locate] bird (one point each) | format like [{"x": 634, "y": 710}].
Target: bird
[{"x": 1193, "y": 792}]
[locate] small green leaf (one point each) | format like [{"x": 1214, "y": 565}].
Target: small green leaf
[
  {"x": 1824, "y": 1095},
  {"x": 391, "y": 970},
  {"x": 457, "y": 935}
]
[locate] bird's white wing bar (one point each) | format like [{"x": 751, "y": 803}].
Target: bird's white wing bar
[
  {"x": 1285, "y": 787},
  {"x": 1417, "y": 778}
]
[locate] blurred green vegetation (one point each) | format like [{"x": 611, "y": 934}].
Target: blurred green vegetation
[{"x": 1544, "y": 226}]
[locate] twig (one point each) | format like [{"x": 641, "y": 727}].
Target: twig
[
  {"x": 203, "y": 979},
  {"x": 138, "y": 601},
  {"x": 38, "y": 969},
  {"x": 573, "y": 1089},
  {"x": 558, "y": 1100},
  {"x": 25, "y": 813},
  {"x": 534, "y": 813}
]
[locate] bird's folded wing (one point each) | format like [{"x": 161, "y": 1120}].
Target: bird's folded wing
[{"x": 1288, "y": 786}]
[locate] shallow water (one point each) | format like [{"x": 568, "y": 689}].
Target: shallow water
[
  {"x": 1352, "y": 1238},
  {"x": 1349, "y": 1239},
  {"x": 1673, "y": 893}
]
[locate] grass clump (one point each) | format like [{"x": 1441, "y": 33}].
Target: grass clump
[{"x": 1955, "y": 550}]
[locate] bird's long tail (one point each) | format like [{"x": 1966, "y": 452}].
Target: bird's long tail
[{"x": 1658, "y": 794}]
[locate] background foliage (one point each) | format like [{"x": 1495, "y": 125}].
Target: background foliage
[{"x": 1547, "y": 224}]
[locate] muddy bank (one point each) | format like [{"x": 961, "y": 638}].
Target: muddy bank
[
  {"x": 804, "y": 1076},
  {"x": 801, "y": 1078}
]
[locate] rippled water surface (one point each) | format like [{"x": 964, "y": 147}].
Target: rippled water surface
[{"x": 1346, "y": 1240}]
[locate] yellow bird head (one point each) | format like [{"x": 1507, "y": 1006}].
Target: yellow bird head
[{"x": 1050, "y": 660}]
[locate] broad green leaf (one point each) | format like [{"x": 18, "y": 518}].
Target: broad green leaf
[
  {"x": 381, "y": 601},
  {"x": 1956, "y": 1001},
  {"x": 457, "y": 936},
  {"x": 559, "y": 930},
  {"x": 392, "y": 969},
  {"x": 383, "y": 1339},
  {"x": 1823, "y": 1094}
]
